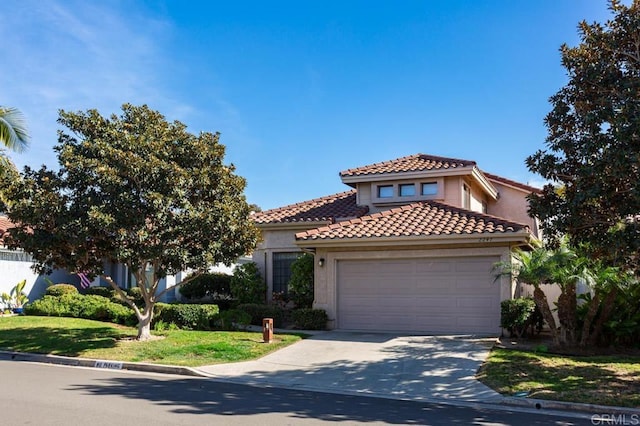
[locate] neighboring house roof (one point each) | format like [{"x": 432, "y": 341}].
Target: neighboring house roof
[
  {"x": 411, "y": 163},
  {"x": 325, "y": 209},
  {"x": 512, "y": 183},
  {"x": 422, "y": 219},
  {"x": 5, "y": 224}
]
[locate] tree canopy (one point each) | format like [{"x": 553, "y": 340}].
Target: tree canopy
[
  {"x": 592, "y": 155},
  {"x": 133, "y": 189}
]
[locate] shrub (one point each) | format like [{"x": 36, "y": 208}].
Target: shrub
[
  {"x": 163, "y": 326},
  {"x": 207, "y": 286},
  {"x": 516, "y": 315},
  {"x": 187, "y": 316},
  {"x": 233, "y": 319},
  {"x": 107, "y": 292},
  {"x": 623, "y": 326},
  {"x": 310, "y": 319},
  {"x": 135, "y": 294},
  {"x": 247, "y": 285},
  {"x": 93, "y": 307},
  {"x": 57, "y": 290},
  {"x": 49, "y": 306},
  {"x": 301, "y": 281},
  {"x": 258, "y": 312}
]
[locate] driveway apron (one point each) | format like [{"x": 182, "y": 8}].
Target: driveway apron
[{"x": 391, "y": 366}]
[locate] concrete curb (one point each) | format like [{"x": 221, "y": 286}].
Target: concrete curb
[
  {"x": 544, "y": 404},
  {"x": 104, "y": 364},
  {"x": 504, "y": 402}
]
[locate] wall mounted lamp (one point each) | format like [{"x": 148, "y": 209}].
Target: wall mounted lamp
[{"x": 321, "y": 262}]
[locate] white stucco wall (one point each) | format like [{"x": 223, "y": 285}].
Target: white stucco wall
[{"x": 15, "y": 266}]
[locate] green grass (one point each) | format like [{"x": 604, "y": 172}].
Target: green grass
[
  {"x": 99, "y": 340},
  {"x": 606, "y": 380}
]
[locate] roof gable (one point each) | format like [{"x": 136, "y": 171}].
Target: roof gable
[
  {"x": 422, "y": 219},
  {"x": 512, "y": 183},
  {"x": 411, "y": 163},
  {"x": 325, "y": 209}
]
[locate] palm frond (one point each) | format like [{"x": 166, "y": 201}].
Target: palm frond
[{"x": 13, "y": 129}]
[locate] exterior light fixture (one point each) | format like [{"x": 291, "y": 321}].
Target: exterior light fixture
[{"x": 321, "y": 262}]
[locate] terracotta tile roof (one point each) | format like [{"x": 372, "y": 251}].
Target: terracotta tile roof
[
  {"x": 411, "y": 163},
  {"x": 423, "y": 219},
  {"x": 506, "y": 181},
  {"x": 330, "y": 208},
  {"x": 5, "y": 224}
]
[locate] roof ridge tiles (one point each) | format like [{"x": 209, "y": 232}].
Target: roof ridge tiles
[{"x": 414, "y": 162}]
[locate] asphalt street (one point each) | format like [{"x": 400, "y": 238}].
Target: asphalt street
[{"x": 42, "y": 394}]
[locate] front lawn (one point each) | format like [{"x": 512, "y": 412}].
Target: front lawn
[
  {"x": 606, "y": 380},
  {"x": 99, "y": 340}
]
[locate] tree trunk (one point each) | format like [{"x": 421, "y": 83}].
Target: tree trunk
[
  {"x": 567, "y": 305},
  {"x": 607, "y": 308},
  {"x": 144, "y": 324},
  {"x": 541, "y": 301},
  {"x": 594, "y": 304}
]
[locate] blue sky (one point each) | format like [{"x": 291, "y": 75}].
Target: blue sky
[{"x": 300, "y": 90}]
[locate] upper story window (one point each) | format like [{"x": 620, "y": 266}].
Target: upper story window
[
  {"x": 429, "y": 188},
  {"x": 407, "y": 190},
  {"x": 385, "y": 191},
  {"x": 466, "y": 197}
]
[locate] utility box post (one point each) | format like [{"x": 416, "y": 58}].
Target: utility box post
[{"x": 267, "y": 330}]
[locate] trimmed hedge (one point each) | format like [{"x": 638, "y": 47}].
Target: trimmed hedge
[
  {"x": 78, "y": 306},
  {"x": 207, "y": 286},
  {"x": 310, "y": 319},
  {"x": 57, "y": 290},
  {"x": 107, "y": 292},
  {"x": 258, "y": 312},
  {"x": 187, "y": 316}
]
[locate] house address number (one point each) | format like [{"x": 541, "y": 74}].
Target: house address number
[
  {"x": 485, "y": 240},
  {"x": 109, "y": 364}
]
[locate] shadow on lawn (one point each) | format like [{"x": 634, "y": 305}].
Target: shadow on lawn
[
  {"x": 58, "y": 341},
  {"x": 595, "y": 380}
]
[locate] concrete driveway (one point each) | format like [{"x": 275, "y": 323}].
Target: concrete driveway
[{"x": 391, "y": 366}]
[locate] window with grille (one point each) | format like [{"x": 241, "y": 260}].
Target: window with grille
[{"x": 282, "y": 270}]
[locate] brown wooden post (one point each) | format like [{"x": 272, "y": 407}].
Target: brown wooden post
[{"x": 267, "y": 330}]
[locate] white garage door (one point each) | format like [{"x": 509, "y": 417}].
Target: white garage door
[{"x": 441, "y": 295}]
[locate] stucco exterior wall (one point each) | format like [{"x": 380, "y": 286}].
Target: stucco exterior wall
[
  {"x": 513, "y": 205},
  {"x": 15, "y": 266},
  {"x": 325, "y": 277}
]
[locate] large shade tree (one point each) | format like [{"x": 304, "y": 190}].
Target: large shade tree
[
  {"x": 137, "y": 190},
  {"x": 593, "y": 145}
]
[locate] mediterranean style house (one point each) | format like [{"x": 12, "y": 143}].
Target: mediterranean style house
[{"x": 409, "y": 248}]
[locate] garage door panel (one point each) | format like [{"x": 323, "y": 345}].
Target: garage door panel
[
  {"x": 446, "y": 295},
  {"x": 475, "y": 303},
  {"x": 433, "y": 266},
  {"x": 474, "y": 286}
]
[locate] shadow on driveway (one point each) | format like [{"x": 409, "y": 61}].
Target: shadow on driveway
[{"x": 402, "y": 367}]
